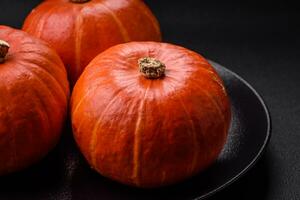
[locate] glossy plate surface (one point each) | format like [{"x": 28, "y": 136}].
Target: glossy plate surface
[{"x": 64, "y": 175}]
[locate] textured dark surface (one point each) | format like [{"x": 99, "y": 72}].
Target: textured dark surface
[{"x": 259, "y": 41}]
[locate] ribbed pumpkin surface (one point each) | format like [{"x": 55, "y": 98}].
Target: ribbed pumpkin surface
[
  {"x": 33, "y": 100},
  {"x": 150, "y": 132},
  {"x": 80, "y": 31}
]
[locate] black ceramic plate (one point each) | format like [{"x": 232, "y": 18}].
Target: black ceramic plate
[{"x": 64, "y": 175}]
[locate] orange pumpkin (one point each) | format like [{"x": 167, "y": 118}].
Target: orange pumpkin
[
  {"x": 33, "y": 99},
  {"x": 80, "y": 29},
  {"x": 150, "y": 114}
]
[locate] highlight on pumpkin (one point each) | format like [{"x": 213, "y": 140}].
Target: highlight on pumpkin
[
  {"x": 139, "y": 122},
  {"x": 139, "y": 116},
  {"x": 79, "y": 36},
  {"x": 34, "y": 94}
]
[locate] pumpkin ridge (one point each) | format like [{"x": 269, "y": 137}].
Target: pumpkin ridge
[
  {"x": 78, "y": 41},
  {"x": 93, "y": 142},
  {"x": 33, "y": 106},
  {"x": 77, "y": 105},
  {"x": 119, "y": 23},
  {"x": 44, "y": 106},
  {"x": 104, "y": 24},
  {"x": 45, "y": 86},
  {"x": 15, "y": 154},
  {"x": 215, "y": 105},
  {"x": 33, "y": 42},
  {"x": 215, "y": 79},
  {"x": 39, "y": 54},
  {"x": 41, "y": 26},
  {"x": 195, "y": 144},
  {"x": 130, "y": 146},
  {"x": 211, "y": 100},
  {"x": 64, "y": 89},
  {"x": 153, "y": 20},
  {"x": 87, "y": 93},
  {"x": 8, "y": 32},
  {"x": 55, "y": 81},
  {"x": 8, "y": 103},
  {"x": 212, "y": 74},
  {"x": 53, "y": 76},
  {"x": 137, "y": 140},
  {"x": 218, "y": 81},
  {"x": 83, "y": 98}
]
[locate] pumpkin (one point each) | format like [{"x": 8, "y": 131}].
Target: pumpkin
[
  {"x": 33, "y": 99},
  {"x": 80, "y": 29},
  {"x": 150, "y": 114}
]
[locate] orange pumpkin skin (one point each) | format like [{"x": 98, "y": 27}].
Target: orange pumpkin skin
[
  {"x": 33, "y": 100},
  {"x": 150, "y": 132},
  {"x": 80, "y": 31}
]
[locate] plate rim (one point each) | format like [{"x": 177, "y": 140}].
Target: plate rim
[{"x": 262, "y": 148}]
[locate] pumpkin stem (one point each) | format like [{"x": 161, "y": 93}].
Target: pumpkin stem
[
  {"x": 4, "y": 46},
  {"x": 79, "y": 1},
  {"x": 151, "y": 68}
]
